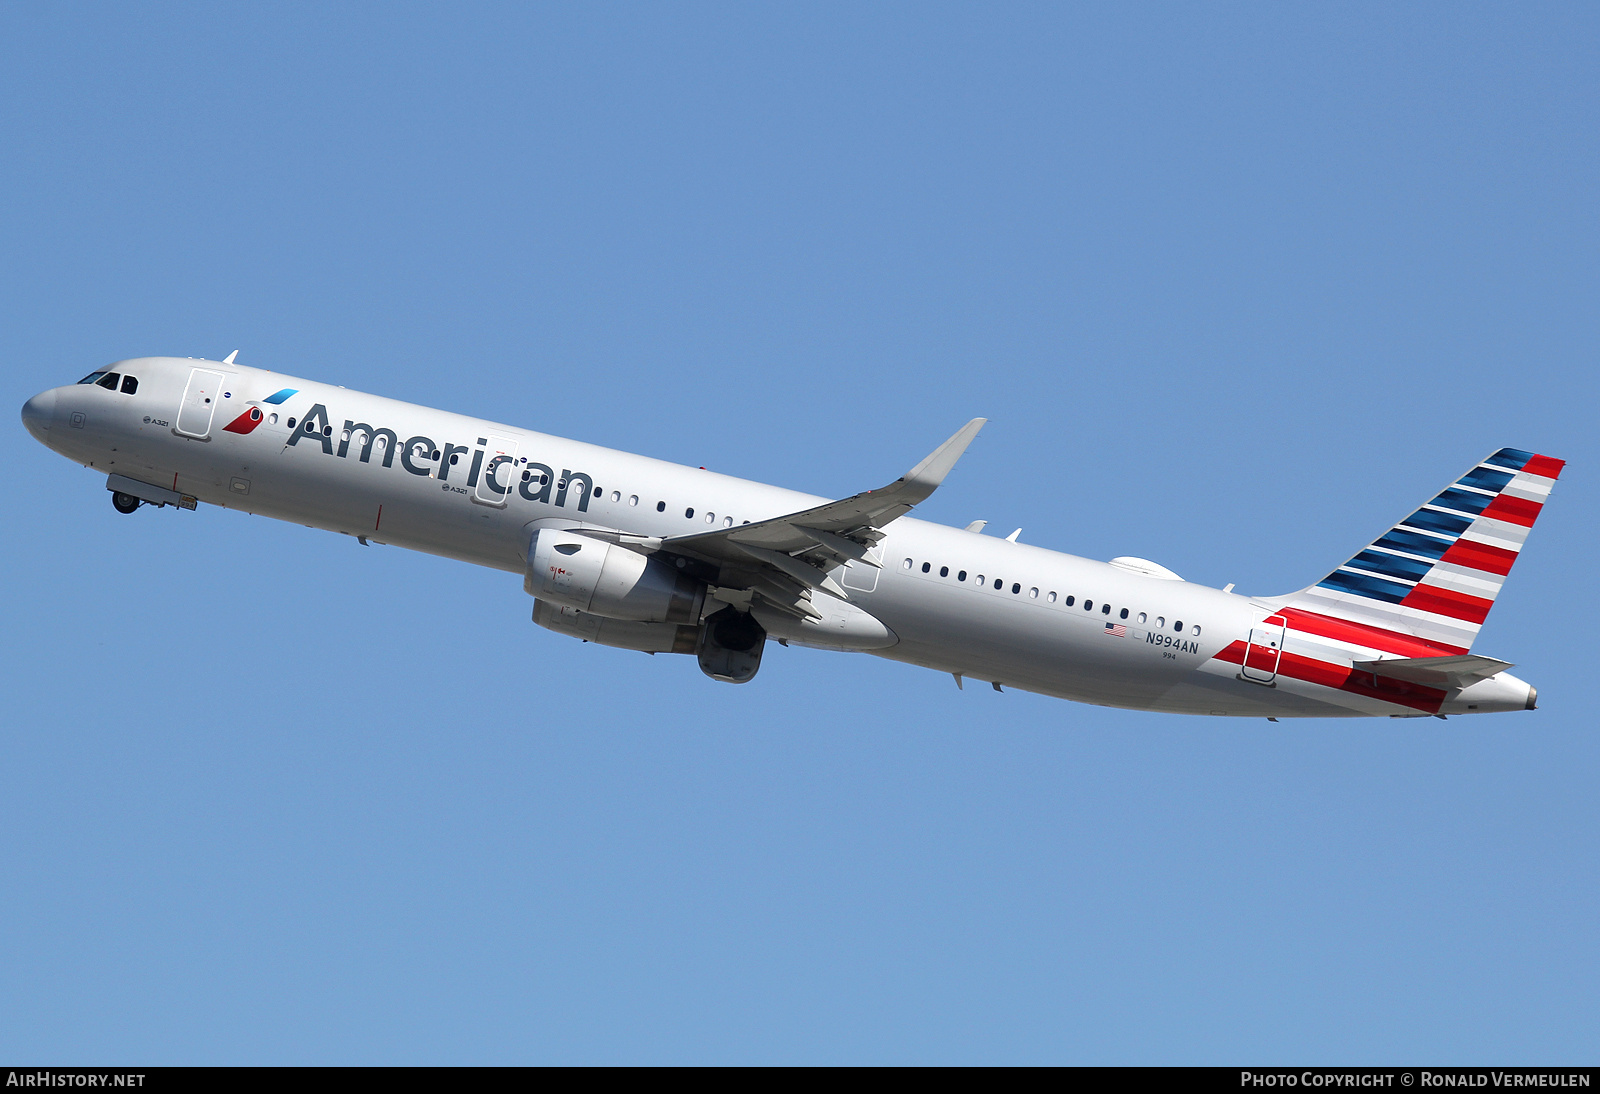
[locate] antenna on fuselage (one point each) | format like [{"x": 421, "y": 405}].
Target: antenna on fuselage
[{"x": 228, "y": 360}]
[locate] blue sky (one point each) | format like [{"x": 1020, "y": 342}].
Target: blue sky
[{"x": 1237, "y": 285}]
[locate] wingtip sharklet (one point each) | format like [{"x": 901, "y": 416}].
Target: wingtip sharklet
[{"x": 924, "y": 478}]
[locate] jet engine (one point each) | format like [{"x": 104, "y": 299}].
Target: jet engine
[
  {"x": 730, "y": 646},
  {"x": 603, "y": 579},
  {"x": 623, "y": 633}
]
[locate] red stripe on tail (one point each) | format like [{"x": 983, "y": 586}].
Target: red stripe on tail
[
  {"x": 1514, "y": 510},
  {"x": 1480, "y": 556},
  {"x": 1547, "y": 466},
  {"x": 1431, "y": 598},
  {"x": 1363, "y": 634}
]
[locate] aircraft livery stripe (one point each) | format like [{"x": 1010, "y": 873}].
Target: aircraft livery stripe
[
  {"x": 1480, "y": 556},
  {"x": 1431, "y": 598},
  {"x": 1514, "y": 510},
  {"x": 1486, "y": 478},
  {"x": 1364, "y": 634},
  {"x": 1514, "y": 458},
  {"x": 1365, "y": 585},
  {"x": 1430, "y": 520},
  {"x": 1544, "y": 466},
  {"x": 1416, "y": 543},
  {"x": 1382, "y": 562},
  {"x": 1344, "y": 678},
  {"x": 1463, "y": 501}
]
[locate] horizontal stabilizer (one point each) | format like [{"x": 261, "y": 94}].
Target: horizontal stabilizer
[{"x": 1459, "y": 671}]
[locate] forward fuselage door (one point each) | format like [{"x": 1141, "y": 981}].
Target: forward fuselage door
[
  {"x": 498, "y": 477},
  {"x": 1264, "y": 651},
  {"x": 199, "y": 404}
]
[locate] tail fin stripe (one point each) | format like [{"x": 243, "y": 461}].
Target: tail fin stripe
[
  {"x": 1480, "y": 556},
  {"x": 1346, "y": 582},
  {"x": 1431, "y": 520},
  {"x": 1545, "y": 467},
  {"x": 1484, "y": 478},
  {"x": 1431, "y": 598},
  {"x": 1514, "y": 458},
  {"x": 1462, "y": 580},
  {"x": 1381, "y": 562},
  {"x": 1463, "y": 501},
  {"x": 1400, "y": 539},
  {"x": 1514, "y": 510},
  {"x": 1363, "y": 634}
]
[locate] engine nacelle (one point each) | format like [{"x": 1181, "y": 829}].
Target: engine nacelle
[
  {"x": 589, "y": 575},
  {"x": 622, "y": 633},
  {"x": 730, "y": 646}
]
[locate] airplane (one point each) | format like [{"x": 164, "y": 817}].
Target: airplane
[{"x": 634, "y": 552}]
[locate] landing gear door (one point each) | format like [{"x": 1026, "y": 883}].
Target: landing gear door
[
  {"x": 199, "y": 404},
  {"x": 498, "y": 477},
  {"x": 1264, "y": 651}
]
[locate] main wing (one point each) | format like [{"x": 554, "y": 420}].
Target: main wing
[{"x": 783, "y": 559}]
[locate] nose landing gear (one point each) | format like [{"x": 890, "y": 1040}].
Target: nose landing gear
[{"x": 125, "y": 503}]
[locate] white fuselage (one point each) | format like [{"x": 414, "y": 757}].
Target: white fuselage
[{"x": 1014, "y": 627}]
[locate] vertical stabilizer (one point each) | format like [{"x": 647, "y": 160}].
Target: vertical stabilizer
[{"x": 1436, "y": 574}]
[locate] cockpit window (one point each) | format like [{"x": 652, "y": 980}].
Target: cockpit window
[
  {"x": 130, "y": 385},
  {"x": 92, "y": 377},
  {"x": 109, "y": 381}
]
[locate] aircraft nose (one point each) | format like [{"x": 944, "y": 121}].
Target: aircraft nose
[{"x": 37, "y": 413}]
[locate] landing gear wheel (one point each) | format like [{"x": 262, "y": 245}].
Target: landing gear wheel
[{"x": 125, "y": 503}]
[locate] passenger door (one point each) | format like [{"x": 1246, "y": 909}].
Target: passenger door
[
  {"x": 199, "y": 404},
  {"x": 1264, "y": 651}
]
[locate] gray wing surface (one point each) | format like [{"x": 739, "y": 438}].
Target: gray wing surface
[{"x": 783, "y": 559}]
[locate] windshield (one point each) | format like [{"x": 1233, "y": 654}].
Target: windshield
[{"x": 92, "y": 377}]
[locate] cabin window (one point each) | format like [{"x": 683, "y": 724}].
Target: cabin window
[
  {"x": 1142, "y": 617},
  {"x": 633, "y": 499},
  {"x": 926, "y": 566},
  {"x": 1195, "y": 630},
  {"x": 598, "y": 491},
  {"x": 327, "y": 431},
  {"x": 434, "y": 454},
  {"x": 661, "y": 507},
  {"x": 1088, "y": 605},
  {"x": 1123, "y": 614},
  {"x": 944, "y": 571},
  {"x": 527, "y": 475},
  {"x": 1033, "y": 594},
  {"x": 1016, "y": 587},
  {"x": 290, "y": 423},
  {"x": 962, "y": 576},
  {"x": 616, "y": 495},
  {"x": 1105, "y": 609},
  {"x": 906, "y": 565},
  {"x": 109, "y": 381},
  {"x": 711, "y": 518},
  {"x": 130, "y": 385},
  {"x": 1178, "y": 626},
  {"x": 998, "y": 583},
  {"x": 272, "y": 419},
  {"x": 727, "y": 522},
  {"x": 1161, "y": 621},
  {"x": 1052, "y": 597},
  {"x": 344, "y": 434},
  {"x": 688, "y": 513},
  {"x": 455, "y": 458},
  {"x": 1068, "y": 601}
]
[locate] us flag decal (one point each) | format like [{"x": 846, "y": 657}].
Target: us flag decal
[{"x": 1116, "y": 630}]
